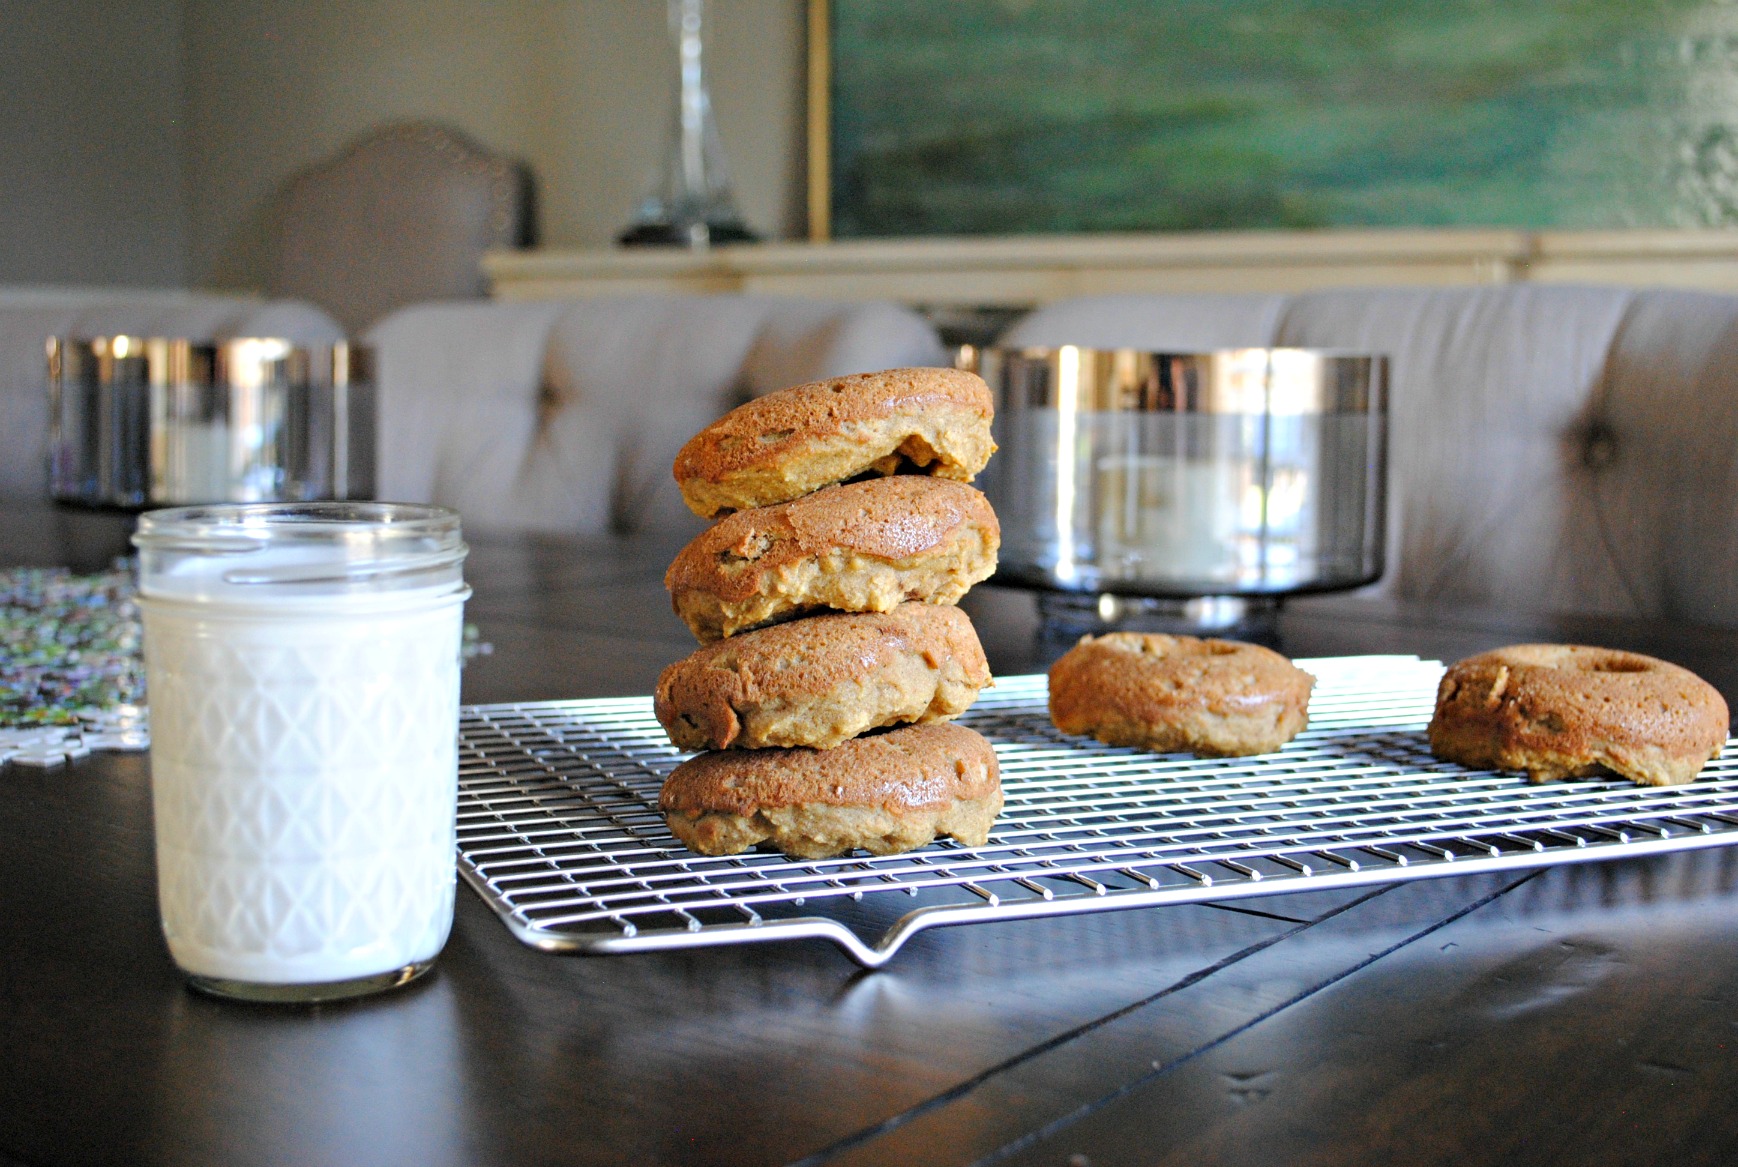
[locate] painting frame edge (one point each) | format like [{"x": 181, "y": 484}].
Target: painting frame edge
[{"x": 820, "y": 117}]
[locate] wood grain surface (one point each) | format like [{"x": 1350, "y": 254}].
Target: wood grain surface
[{"x": 1578, "y": 1015}]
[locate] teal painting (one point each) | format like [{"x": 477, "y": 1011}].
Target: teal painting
[{"x": 1011, "y": 116}]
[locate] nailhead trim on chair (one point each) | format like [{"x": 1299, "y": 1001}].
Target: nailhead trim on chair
[{"x": 501, "y": 174}]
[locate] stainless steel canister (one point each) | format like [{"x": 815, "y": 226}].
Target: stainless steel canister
[
  {"x": 1244, "y": 472},
  {"x": 146, "y": 421}
]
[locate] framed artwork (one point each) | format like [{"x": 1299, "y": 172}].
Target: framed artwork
[{"x": 965, "y": 117}]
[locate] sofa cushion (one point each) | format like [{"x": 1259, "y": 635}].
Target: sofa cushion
[
  {"x": 1493, "y": 394},
  {"x": 566, "y": 415},
  {"x": 1664, "y": 469}
]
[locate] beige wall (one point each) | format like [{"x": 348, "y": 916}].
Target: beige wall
[
  {"x": 582, "y": 90},
  {"x": 92, "y": 178}
]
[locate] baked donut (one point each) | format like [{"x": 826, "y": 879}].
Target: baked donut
[
  {"x": 1215, "y": 698},
  {"x": 1567, "y": 711},
  {"x": 862, "y": 547},
  {"x": 819, "y": 681},
  {"x": 886, "y": 793},
  {"x": 797, "y": 440}
]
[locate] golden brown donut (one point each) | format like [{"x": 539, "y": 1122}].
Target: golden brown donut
[
  {"x": 886, "y": 793},
  {"x": 797, "y": 440},
  {"x": 821, "y": 680},
  {"x": 1216, "y": 698},
  {"x": 1568, "y": 711},
  {"x": 862, "y": 547}
]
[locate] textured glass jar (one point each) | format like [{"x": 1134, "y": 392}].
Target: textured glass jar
[{"x": 302, "y": 667}]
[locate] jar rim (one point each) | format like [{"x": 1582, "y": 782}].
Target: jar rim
[
  {"x": 171, "y": 526},
  {"x": 374, "y": 546}
]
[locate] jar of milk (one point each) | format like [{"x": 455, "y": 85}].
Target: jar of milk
[{"x": 302, "y": 666}]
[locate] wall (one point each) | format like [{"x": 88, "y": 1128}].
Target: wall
[
  {"x": 93, "y": 183},
  {"x": 582, "y": 90}
]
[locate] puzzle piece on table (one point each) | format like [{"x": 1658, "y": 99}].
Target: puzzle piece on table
[{"x": 50, "y": 746}]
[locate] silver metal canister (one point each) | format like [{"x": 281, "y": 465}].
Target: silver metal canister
[
  {"x": 140, "y": 422},
  {"x": 1239, "y": 473}
]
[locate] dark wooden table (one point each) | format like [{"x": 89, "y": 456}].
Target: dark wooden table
[{"x": 1580, "y": 1015}]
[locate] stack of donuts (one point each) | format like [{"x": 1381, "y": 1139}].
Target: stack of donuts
[{"x": 823, "y": 598}]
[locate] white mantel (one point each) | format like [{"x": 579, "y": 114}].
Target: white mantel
[{"x": 1018, "y": 271}]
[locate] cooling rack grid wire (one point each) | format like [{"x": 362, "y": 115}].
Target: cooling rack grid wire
[{"x": 559, "y": 829}]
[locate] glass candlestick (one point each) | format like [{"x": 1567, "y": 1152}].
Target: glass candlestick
[{"x": 692, "y": 205}]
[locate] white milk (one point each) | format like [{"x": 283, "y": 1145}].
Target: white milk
[
  {"x": 304, "y": 766},
  {"x": 304, "y": 770}
]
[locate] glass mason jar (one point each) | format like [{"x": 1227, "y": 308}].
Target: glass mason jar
[{"x": 302, "y": 669}]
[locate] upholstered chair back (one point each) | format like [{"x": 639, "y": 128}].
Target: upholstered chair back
[{"x": 401, "y": 216}]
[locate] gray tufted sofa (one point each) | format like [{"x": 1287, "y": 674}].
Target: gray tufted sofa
[
  {"x": 548, "y": 415},
  {"x": 564, "y": 415},
  {"x": 1553, "y": 449}
]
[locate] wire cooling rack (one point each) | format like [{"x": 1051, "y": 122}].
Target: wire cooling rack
[{"x": 560, "y": 833}]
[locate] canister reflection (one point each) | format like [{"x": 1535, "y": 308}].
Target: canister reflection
[
  {"x": 149, "y": 421},
  {"x": 1243, "y": 472},
  {"x": 1067, "y": 413}
]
